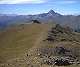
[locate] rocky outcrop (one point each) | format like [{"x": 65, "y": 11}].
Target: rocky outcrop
[
  {"x": 59, "y": 55},
  {"x": 36, "y": 21},
  {"x": 60, "y": 58},
  {"x": 59, "y": 34}
]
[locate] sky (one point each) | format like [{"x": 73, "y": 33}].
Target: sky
[{"x": 31, "y": 7}]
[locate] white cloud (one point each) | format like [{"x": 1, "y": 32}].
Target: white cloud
[
  {"x": 65, "y": 2},
  {"x": 21, "y": 1}
]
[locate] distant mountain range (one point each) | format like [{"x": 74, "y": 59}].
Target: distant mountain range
[{"x": 51, "y": 16}]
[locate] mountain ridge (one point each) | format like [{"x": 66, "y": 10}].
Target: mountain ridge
[{"x": 51, "y": 16}]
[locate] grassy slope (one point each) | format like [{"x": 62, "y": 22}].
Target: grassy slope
[{"x": 16, "y": 40}]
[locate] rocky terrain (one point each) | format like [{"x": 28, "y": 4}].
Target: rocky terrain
[{"x": 57, "y": 46}]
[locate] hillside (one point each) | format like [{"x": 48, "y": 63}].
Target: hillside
[
  {"x": 16, "y": 40},
  {"x": 40, "y": 45},
  {"x": 51, "y": 16}
]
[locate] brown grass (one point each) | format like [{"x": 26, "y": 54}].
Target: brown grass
[{"x": 15, "y": 41}]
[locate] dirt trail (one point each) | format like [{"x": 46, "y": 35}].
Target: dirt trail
[{"x": 38, "y": 43}]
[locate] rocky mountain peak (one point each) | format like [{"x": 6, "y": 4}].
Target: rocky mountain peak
[{"x": 51, "y": 11}]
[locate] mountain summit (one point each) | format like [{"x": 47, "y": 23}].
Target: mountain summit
[{"x": 53, "y": 13}]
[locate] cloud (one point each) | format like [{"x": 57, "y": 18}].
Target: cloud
[
  {"x": 66, "y": 2},
  {"x": 22, "y": 1}
]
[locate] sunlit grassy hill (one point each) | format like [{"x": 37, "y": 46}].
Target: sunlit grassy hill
[
  {"x": 39, "y": 45},
  {"x": 16, "y": 40}
]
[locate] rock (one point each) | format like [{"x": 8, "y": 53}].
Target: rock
[
  {"x": 60, "y": 59},
  {"x": 36, "y": 21},
  {"x": 60, "y": 50},
  {"x": 61, "y": 62},
  {"x": 50, "y": 39}
]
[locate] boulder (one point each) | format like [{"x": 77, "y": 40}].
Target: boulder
[{"x": 36, "y": 21}]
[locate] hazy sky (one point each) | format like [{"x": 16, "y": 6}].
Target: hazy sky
[{"x": 39, "y": 6}]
